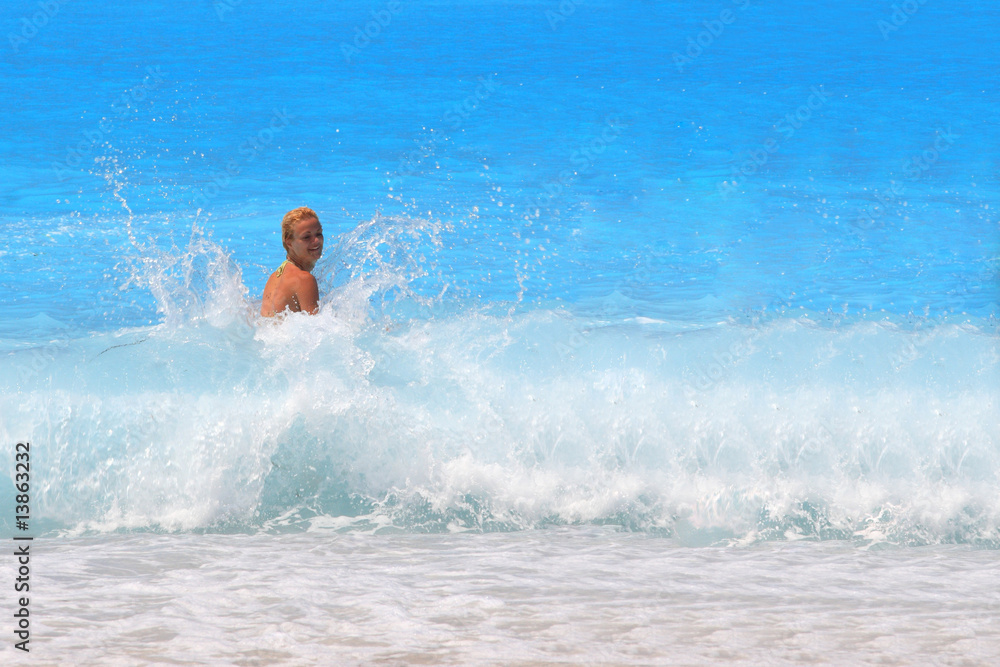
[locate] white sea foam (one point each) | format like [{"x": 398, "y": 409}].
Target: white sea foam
[
  {"x": 560, "y": 596},
  {"x": 394, "y": 410}
]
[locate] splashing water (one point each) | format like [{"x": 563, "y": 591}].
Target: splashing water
[{"x": 385, "y": 412}]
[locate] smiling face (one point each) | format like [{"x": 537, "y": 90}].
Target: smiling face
[{"x": 305, "y": 245}]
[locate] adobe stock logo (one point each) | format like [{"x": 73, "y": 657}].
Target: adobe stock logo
[
  {"x": 565, "y": 9},
  {"x": 705, "y": 38},
  {"x": 362, "y": 38},
  {"x": 75, "y": 155},
  {"x": 786, "y": 127},
  {"x": 223, "y": 7},
  {"x": 40, "y": 19},
  {"x": 249, "y": 150},
  {"x": 582, "y": 159},
  {"x": 455, "y": 116},
  {"x": 914, "y": 169},
  {"x": 901, "y": 14}
]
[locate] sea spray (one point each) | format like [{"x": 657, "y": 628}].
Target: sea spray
[
  {"x": 398, "y": 409},
  {"x": 467, "y": 423}
]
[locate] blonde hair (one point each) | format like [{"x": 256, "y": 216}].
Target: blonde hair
[{"x": 292, "y": 218}]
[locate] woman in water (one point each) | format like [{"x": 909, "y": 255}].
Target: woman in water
[{"x": 292, "y": 286}]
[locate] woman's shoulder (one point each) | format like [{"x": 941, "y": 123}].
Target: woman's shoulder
[{"x": 295, "y": 274}]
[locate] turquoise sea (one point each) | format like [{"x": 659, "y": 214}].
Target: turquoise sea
[{"x": 650, "y": 333}]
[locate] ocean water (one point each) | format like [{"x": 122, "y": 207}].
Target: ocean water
[{"x": 651, "y": 333}]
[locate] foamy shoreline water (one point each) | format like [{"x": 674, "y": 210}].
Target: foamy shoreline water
[
  {"x": 569, "y": 596},
  {"x": 733, "y": 434}
]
